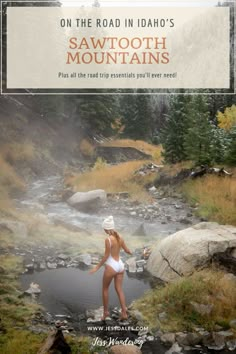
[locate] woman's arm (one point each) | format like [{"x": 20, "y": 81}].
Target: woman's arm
[
  {"x": 125, "y": 248},
  {"x": 104, "y": 258}
]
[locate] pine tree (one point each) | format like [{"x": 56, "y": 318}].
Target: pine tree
[
  {"x": 127, "y": 112},
  {"x": 199, "y": 135},
  {"x": 231, "y": 154},
  {"x": 172, "y": 135}
]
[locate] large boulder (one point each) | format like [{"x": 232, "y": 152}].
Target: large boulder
[
  {"x": 88, "y": 201},
  {"x": 186, "y": 250}
]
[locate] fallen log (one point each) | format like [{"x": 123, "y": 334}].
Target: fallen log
[{"x": 55, "y": 343}]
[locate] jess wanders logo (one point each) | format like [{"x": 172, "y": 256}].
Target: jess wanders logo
[{"x": 117, "y": 341}]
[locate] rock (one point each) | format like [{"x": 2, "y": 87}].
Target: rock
[
  {"x": 185, "y": 221},
  {"x": 217, "y": 342},
  {"x": 88, "y": 201},
  {"x": 141, "y": 263},
  {"x": 131, "y": 263},
  {"x": 168, "y": 338},
  {"x": 61, "y": 264},
  {"x": 231, "y": 344},
  {"x": 30, "y": 267},
  {"x": 139, "y": 269},
  {"x": 124, "y": 349},
  {"x": 42, "y": 266},
  {"x": 95, "y": 315},
  {"x": 85, "y": 259},
  {"x": 63, "y": 257},
  {"x": 174, "y": 349},
  {"x": 201, "y": 308},
  {"x": 51, "y": 265},
  {"x": 184, "y": 251},
  {"x": 18, "y": 228},
  {"x": 188, "y": 339},
  {"x": 152, "y": 189},
  {"x": 233, "y": 324},
  {"x": 177, "y": 206},
  {"x": 33, "y": 289},
  {"x": 133, "y": 213}
]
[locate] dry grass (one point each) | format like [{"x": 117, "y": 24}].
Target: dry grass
[
  {"x": 112, "y": 179},
  {"x": 216, "y": 197},
  {"x": 153, "y": 150},
  {"x": 173, "y": 170},
  {"x": 208, "y": 287},
  {"x": 86, "y": 148},
  {"x": 9, "y": 182},
  {"x": 14, "y": 152}
]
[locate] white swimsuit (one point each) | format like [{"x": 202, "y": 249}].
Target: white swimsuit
[{"x": 118, "y": 266}]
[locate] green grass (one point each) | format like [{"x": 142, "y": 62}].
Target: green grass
[{"x": 205, "y": 287}]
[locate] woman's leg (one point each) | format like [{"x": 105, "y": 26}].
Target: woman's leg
[
  {"x": 107, "y": 278},
  {"x": 118, "y": 280}
]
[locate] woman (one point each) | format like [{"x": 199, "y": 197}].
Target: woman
[{"x": 114, "y": 267}]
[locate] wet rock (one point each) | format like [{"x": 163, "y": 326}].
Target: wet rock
[
  {"x": 42, "y": 266},
  {"x": 168, "y": 338},
  {"x": 178, "y": 206},
  {"x": 34, "y": 289},
  {"x": 174, "y": 349},
  {"x": 185, "y": 221},
  {"x": 201, "y": 308},
  {"x": 85, "y": 259},
  {"x": 131, "y": 264},
  {"x": 139, "y": 269},
  {"x": 133, "y": 213},
  {"x": 127, "y": 349},
  {"x": 94, "y": 315},
  {"x": 61, "y": 264},
  {"x": 51, "y": 265},
  {"x": 88, "y": 201},
  {"x": 63, "y": 257},
  {"x": 30, "y": 267},
  {"x": 141, "y": 263}
]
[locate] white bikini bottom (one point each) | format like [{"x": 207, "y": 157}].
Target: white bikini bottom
[{"x": 118, "y": 266}]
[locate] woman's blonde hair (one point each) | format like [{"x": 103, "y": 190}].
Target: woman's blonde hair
[{"x": 117, "y": 236}]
